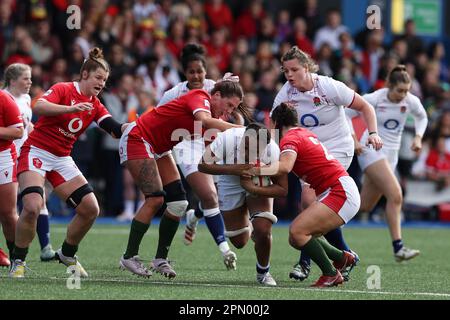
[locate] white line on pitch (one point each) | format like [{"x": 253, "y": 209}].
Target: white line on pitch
[{"x": 213, "y": 285}]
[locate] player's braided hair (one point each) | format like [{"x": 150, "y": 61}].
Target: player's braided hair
[
  {"x": 398, "y": 75},
  {"x": 304, "y": 58},
  {"x": 284, "y": 116},
  {"x": 192, "y": 52},
  {"x": 13, "y": 72},
  {"x": 95, "y": 61}
]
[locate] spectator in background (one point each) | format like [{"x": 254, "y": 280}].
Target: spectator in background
[
  {"x": 104, "y": 35},
  {"x": 331, "y": 31},
  {"x": 119, "y": 65},
  {"x": 265, "y": 93},
  {"x": 143, "y": 9},
  {"x": 219, "y": 49},
  {"x": 119, "y": 101},
  {"x": 438, "y": 163},
  {"x": 175, "y": 38},
  {"x": 283, "y": 26},
  {"x": 248, "y": 23},
  {"x": 400, "y": 49},
  {"x": 218, "y": 15},
  {"x": 299, "y": 37},
  {"x": 313, "y": 19},
  {"x": 75, "y": 61},
  {"x": 436, "y": 53},
  {"x": 414, "y": 42},
  {"x": 323, "y": 58},
  {"x": 370, "y": 57},
  {"x": 47, "y": 43}
]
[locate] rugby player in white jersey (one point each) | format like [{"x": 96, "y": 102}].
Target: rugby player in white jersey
[
  {"x": 187, "y": 155},
  {"x": 320, "y": 102},
  {"x": 18, "y": 83},
  {"x": 231, "y": 152},
  {"x": 392, "y": 105}
]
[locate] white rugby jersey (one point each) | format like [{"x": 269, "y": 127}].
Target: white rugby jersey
[
  {"x": 227, "y": 148},
  {"x": 181, "y": 89},
  {"x": 321, "y": 110},
  {"x": 24, "y": 104},
  {"x": 391, "y": 117}
]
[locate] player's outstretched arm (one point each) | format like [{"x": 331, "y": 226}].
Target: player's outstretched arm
[
  {"x": 46, "y": 108},
  {"x": 209, "y": 122}
]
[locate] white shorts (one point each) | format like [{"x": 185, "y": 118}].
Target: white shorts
[
  {"x": 344, "y": 159},
  {"x": 132, "y": 146},
  {"x": 370, "y": 156},
  {"x": 56, "y": 170},
  {"x": 8, "y": 167},
  {"x": 187, "y": 155},
  {"x": 343, "y": 198},
  {"x": 231, "y": 194}
]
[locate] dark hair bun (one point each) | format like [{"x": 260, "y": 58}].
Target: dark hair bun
[
  {"x": 192, "y": 48},
  {"x": 95, "y": 53}
]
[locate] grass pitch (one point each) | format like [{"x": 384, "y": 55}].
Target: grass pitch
[{"x": 202, "y": 275}]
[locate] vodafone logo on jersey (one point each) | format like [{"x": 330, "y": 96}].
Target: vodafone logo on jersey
[
  {"x": 37, "y": 163},
  {"x": 75, "y": 125}
]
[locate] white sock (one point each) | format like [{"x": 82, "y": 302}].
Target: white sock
[
  {"x": 224, "y": 247},
  {"x": 129, "y": 207}
]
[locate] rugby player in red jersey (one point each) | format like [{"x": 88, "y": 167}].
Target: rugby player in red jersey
[
  {"x": 66, "y": 110},
  {"x": 11, "y": 128},
  {"x": 145, "y": 149},
  {"x": 338, "y": 201}
]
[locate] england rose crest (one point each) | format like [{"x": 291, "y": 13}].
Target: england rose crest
[{"x": 316, "y": 101}]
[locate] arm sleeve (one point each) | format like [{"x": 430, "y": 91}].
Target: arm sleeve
[
  {"x": 288, "y": 146},
  {"x": 420, "y": 115},
  {"x": 198, "y": 101},
  {"x": 280, "y": 97},
  {"x": 343, "y": 95},
  {"x": 169, "y": 95},
  {"x": 54, "y": 94},
  {"x": 11, "y": 113}
]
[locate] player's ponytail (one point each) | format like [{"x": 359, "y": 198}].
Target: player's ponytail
[
  {"x": 284, "y": 116},
  {"x": 304, "y": 58},
  {"x": 13, "y": 72},
  {"x": 95, "y": 61},
  {"x": 398, "y": 75},
  {"x": 192, "y": 52}
]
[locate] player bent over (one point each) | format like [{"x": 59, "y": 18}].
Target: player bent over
[{"x": 227, "y": 156}]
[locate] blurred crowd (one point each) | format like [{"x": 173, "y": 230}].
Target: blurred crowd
[{"x": 142, "y": 41}]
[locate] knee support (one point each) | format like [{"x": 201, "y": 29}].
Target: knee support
[
  {"x": 210, "y": 212},
  {"x": 176, "y": 198},
  {"x": 234, "y": 233},
  {"x": 28, "y": 190},
  {"x": 75, "y": 198},
  {"x": 265, "y": 214}
]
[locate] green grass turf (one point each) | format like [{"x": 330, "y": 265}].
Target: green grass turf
[{"x": 202, "y": 275}]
